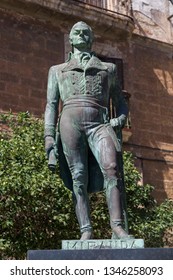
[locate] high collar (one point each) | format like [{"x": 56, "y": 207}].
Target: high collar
[
  {"x": 74, "y": 64},
  {"x": 71, "y": 55}
]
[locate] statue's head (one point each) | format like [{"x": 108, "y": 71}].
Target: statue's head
[{"x": 81, "y": 36}]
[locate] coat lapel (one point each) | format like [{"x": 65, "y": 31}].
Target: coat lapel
[
  {"x": 93, "y": 63},
  {"x": 73, "y": 64}
]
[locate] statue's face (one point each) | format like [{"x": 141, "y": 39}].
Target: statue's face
[{"x": 81, "y": 36}]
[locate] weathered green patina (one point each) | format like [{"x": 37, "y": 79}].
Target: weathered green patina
[{"x": 82, "y": 135}]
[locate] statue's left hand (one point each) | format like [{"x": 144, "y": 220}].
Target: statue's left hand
[
  {"x": 114, "y": 122},
  {"x": 118, "y": 122}
]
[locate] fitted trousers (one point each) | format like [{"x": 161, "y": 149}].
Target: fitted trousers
[{"x": 82, "y": 127}]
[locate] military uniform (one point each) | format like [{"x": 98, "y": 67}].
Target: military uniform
[{"x": 85, "y": 89}]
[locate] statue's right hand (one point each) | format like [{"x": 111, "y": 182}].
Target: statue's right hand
[{"x": 49, "y": 144}]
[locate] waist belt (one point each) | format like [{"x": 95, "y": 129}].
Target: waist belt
[{"x": 86, "y": 101}]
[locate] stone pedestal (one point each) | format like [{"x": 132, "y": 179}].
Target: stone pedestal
[
  {"x": 103, "y": 254},
  {"x": 102, "y": 244},
  {"x": 102, "y": 249}
]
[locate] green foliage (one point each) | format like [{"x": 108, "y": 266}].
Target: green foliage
[
  {"x": 147, "y": 219},
  {"x": 36, "y": 210}
]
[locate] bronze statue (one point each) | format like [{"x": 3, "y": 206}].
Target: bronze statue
[{"x": 86, "y": 142}]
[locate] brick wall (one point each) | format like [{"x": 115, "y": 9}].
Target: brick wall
[
  {"x": 149, "y": 79},
  {"x": 28, "y": 48}
]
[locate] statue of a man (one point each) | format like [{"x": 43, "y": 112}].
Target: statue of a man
[{"x": 84, "y": 86}]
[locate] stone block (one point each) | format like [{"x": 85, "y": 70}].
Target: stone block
[
  {"x": 103, "y": 254},
  {"x": 102, "y": 244}
]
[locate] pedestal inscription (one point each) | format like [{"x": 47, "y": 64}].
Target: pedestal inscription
[{"x": 102, "y": 244}]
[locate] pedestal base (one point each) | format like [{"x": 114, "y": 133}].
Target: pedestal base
[
  {"x": 103, "y": 254},
  {"x": 102, "y": 244}
]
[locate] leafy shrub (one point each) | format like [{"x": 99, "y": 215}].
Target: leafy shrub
[
  {"x": 36, "y": 210},
  {"x": 147, "y": 219}
]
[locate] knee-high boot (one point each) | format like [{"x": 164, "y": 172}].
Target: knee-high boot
[
  {"x": 114, "y": 206},
  {"x": 83, "y": 213}
]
